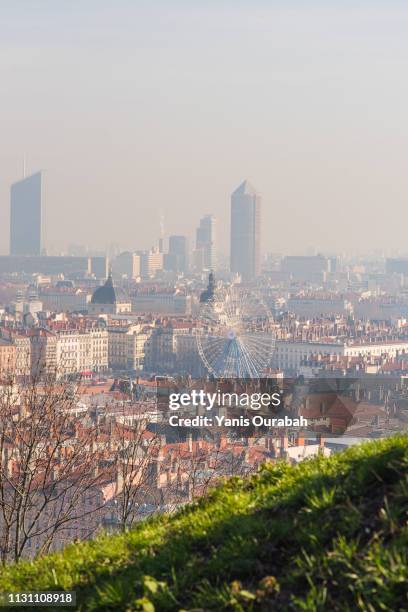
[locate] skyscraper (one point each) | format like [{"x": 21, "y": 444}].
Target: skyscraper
[
  {"x": 26, "y": 216},
  {"x": 206, "y": 241},
  {"x": 178, "y": 258},
  {"x": 246, "y": 232}
]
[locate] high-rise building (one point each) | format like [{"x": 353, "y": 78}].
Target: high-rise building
[
  {"x": 151, "y": 262},
  {"x": 206, "y": 241},
  {"x": 178, "y": 258},
  {"x": 26, "y": 216},
  {"x": 126, "y": 264},
  {"x": 246, "y": 232},
  {"x": 397, "y": 266}
]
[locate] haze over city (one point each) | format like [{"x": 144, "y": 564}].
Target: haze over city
[
  {"x": 133, "y": 108},
  {"x": 203, "y": 286}
]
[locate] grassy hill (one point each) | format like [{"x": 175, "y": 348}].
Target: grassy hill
[{"x": 328, "y": 534}]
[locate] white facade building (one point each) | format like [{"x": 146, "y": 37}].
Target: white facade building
[
  {"x": 289, "y": 355},
  {"x": 81, "y": 351},
  {"x": 315, "y": 307}
]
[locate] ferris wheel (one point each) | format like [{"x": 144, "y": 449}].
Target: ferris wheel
[{"x": 235, "y": 336}]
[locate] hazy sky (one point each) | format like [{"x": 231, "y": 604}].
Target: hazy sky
[{"x": 133, "y": 106}]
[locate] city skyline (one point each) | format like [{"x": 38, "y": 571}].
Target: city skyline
[
  {"x": 212, "y": 254},
  {"x": 203, "y": 284},
  {"x": 134, "y": 109}
]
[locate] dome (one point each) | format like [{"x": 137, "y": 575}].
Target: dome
[{"x": 105, "y": 294}]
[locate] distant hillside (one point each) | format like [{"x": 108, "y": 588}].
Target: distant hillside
[{"x": 328, "y": 534}]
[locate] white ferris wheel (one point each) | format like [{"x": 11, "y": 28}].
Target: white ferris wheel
[{"x": 235, "y": 337}]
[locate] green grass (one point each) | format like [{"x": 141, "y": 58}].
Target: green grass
[{"x": 328, "y": 534}]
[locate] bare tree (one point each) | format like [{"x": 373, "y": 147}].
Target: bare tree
[
  {"x": 48, "y": 469},
  {"x": 137, "y": 455},
  {"x": 198, "y": 465}
]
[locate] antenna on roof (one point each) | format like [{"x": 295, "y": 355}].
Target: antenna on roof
[
  {"x": 161, "y": 235},
  {"x": 24, "y": 165}
]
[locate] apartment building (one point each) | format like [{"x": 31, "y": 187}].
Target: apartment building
[
  {"x": 80, "y": 351},
  {"x": 309, "y": 307},
  {"x": 43, "y": 352},
  {"x": 7, "y": 358},
  {"x": 127, "y": 346},
  {"x": 162, "y": 303},
  {"x": 64, "y": 299},
  {"x": 289, "y": 354}
]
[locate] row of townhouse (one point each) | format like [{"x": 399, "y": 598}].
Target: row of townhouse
[
  {"x": 71, "y": 350},
  {"x": 68, "y": 351}
]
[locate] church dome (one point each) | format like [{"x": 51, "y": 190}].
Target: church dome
[{"x": 104, "y": 294}]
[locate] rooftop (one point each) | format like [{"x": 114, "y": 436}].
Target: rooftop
[{"x": 245, "y": 188}]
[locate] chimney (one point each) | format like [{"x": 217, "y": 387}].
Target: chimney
[{"x": 301, "y": 439}]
